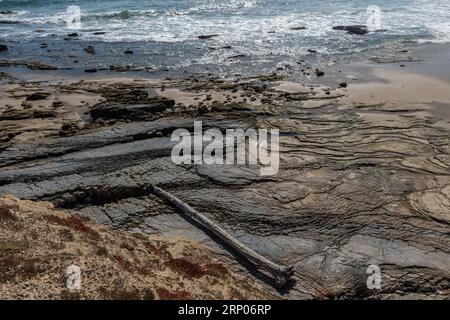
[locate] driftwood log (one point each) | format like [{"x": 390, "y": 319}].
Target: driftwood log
[{"x": 280, "y": 274}]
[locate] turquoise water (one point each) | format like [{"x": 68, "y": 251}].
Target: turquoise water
[{"x": 254, "y": 28}]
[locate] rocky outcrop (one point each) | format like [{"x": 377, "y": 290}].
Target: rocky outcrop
[
  {"x": 358, "y": 185},
  {"x": 131, "y": 112}
]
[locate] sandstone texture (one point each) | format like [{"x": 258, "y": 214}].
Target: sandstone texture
[{"x": 358, "y": 185}]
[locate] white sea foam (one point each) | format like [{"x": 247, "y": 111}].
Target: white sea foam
[{"x": 248, "y": 25}]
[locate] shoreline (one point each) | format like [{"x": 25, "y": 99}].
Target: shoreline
[{"x": 364, "y": 175}]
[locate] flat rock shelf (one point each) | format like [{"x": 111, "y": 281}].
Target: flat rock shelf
[{"x": 358, "y": 184}]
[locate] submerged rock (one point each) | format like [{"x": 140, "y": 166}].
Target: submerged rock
[
  {"x": 207, "y": 36},
  {"x": 9, "y": 22},
  {"x": 298, "y": 28},
  {"x": 89, "y": 49},
  {"x": 237, "y": 56}
]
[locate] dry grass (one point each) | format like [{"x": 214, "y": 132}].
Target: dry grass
[
  {"x": 19, "y": 268},
  {"x": 38, "y": 244},
  {"x": 165, "y": 294},
  {"x": 73, "y": 222},
  {"x": 11, "y": 246},
  {"x": 216, "y": 270},
  {"x": 186, "y": 268}
]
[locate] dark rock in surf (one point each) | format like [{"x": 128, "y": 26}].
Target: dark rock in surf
[
  {"x": 237, "y": 56},
  {"x": 357, "y": 29},
  {"x": 3, "y": 48},
  {"x": 207, "y": 36},
  {"x": 68, "y": 129},
  {"x": 298, "y": 28},
  {"x": 220, "y": 107},
  {"x": 9, "y": 22},
  {"x": 89, "y": 49},
  {"x": 216, "y": 48},
  {"x": 319, "y": 73}
]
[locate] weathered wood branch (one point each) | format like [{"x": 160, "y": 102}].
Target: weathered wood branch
[{"x": 281, "y": 274}]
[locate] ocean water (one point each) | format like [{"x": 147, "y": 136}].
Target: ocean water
[{"x": 259, "y": 29}]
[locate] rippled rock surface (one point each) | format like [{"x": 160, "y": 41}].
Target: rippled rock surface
[{"x": 358, "y": 185}]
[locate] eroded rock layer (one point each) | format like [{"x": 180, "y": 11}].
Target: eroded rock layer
[{"x": 358, "y": 185}]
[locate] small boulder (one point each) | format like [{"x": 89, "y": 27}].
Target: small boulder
[
  {"x": 37, "y": 96},
  {"x": 237, "y": 56},
  {"x": 298, "y": 28},
  {"x": 220, "y": 107},
  {"x": 357, "y": 29},
  {"x": 68, "y": 129},
  {"x": 89, "y": 49},
  {"x": 3, "y": 48},
  {"x": 207, "y": 36},
  {"x": 319, "y": 73}
]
